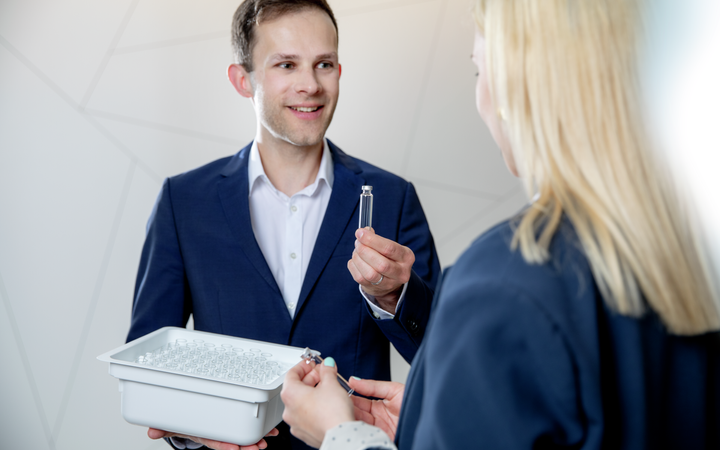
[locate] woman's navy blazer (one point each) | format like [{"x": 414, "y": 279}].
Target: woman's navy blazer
[{"x": 521, "y": 356}]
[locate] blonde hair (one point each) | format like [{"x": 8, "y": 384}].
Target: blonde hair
[{"x": 564, "y": 75}]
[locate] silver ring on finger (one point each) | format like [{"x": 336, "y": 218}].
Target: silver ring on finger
[{"x": 382, "y": 277}]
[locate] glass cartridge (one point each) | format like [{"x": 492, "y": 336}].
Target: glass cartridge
[{"x": 366, "y": 207}]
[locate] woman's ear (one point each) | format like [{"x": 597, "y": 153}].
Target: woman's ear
[{"x": 240, "y": 79}]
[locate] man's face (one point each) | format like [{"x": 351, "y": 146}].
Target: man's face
[{"x": 296, "y": 77}]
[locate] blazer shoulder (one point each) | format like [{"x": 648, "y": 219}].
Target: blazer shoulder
[
  {"x": 208, "y": 174},
  {"x": 370, "y": 172},
  {"x": 376, "y": 174},
  {"x": 557, "y": 286}
]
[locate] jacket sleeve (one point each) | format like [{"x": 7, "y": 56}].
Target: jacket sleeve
[
  {"x": 498, "y": 372},
  {"x": 162, "y": 297},
  {"x": 407, "y": 329}
]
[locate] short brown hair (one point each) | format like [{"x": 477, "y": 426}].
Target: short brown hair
[{"x": 251, "y": 13}]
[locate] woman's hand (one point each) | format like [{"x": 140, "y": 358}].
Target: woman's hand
[
  {"x": 154, "y": 433},
  {"x": 314, "y": 401},
  {"x": 382, "y": 413}
]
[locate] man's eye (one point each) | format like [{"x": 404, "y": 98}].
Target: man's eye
[
  {"x": 325, "y": 65},
  {"x": 285, "y": 65}
]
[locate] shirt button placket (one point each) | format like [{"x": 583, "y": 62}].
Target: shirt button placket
[{"x": 294, "y": 266}]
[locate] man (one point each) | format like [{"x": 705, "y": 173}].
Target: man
[{"x": 259, "y": 245}]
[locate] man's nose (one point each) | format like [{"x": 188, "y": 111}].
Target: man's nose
[{"x": 307, "y": 82}]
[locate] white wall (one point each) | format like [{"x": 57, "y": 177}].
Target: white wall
[
  {"x": 681, "y": 74},
  {"x": 99, "y": 101}
]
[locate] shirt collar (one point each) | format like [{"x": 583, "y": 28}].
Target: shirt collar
[{"x": 256, "y": 170}]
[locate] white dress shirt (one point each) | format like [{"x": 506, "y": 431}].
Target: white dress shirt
[{"x": 286, "y": 228}]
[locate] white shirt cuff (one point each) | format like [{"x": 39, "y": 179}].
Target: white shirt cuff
[
  {"x": 356, "y": 436},
  {"x": 378, "y": 312},
  {"x": 183, "y": 443}
]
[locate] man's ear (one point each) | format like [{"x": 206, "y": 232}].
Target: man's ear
[
  {"x": 240, "y": 79},
  {"x": 339, "y": 70}
]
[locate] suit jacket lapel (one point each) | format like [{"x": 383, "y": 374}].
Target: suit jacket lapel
[
  {"x": 340, "y": 210},
  {"x": 233, "y": 192}
]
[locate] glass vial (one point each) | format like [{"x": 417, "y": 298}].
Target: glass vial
[{"x": 366, "y": 207}]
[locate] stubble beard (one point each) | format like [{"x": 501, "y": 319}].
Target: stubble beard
[
  {"x": 272, "y": 118},
  {"x": 280, "y": 128}
]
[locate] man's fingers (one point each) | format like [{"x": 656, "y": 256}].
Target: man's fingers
[
  {"x": 386, "y": 247},
  {"x": 357, "y": 276},
  {"x": 154, "y": 433},
  {"x": 377, "y": 262},
  {"x": 217, "y": 445},
  {"x": 366, "y": 276},
  {"x": 259, "y": 446},
  {"x": 393, "y": 260},
  {"x": 370, "y": 273}
]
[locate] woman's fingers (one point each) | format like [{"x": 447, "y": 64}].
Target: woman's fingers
[{"x": 377, "y": 389}]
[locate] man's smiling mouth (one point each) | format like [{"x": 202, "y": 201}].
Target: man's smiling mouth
[{"x": 305, "y": 109}]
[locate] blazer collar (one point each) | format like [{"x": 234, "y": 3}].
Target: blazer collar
[
  {"x": 233, "y": 192},
  {"x": 340, "y": 210}
]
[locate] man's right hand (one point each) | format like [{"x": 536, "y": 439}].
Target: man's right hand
[
  {"x": 381, "y": 266},
  {"x": 383, "y": 413},
  {"x": 154, "y": 433}
]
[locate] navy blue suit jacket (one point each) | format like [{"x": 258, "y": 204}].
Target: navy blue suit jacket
[
  {"x": 521, "y": 356},
  {"x": 200, "y": 257}
]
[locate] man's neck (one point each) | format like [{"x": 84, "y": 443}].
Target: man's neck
[{"x": 290, "y": 168}]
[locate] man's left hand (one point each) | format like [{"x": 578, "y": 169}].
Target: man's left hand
[
  {"x": 154, "y": 433},
  {"x": 381, "y": 267}
]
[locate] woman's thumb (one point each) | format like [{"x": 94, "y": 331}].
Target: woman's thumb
[{"x": 328, "y": 370}]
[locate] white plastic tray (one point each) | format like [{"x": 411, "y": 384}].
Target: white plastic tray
[{"x": 226, "y": 405}]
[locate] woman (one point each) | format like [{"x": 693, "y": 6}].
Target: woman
[{"x": 588, "y": 321}]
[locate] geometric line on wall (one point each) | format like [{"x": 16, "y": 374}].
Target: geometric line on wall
[
  {"x": 108, "y": 54},
  {"x": 171, "y": 42},
  {"x": 67, "y": 99},
  {"x": 423, "y": 90},
  {"x": 377, "y": 7},
  {"x": 165, "y": 128},
  {"x": 26, "y": 366},
  {"x": 136, "y": 160},
  {"x": 484, "y": 212},
  {"x": 38, "y": 73},
  {"x": 455, "y": 189},
  {"x": 94, "y": 299}
]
